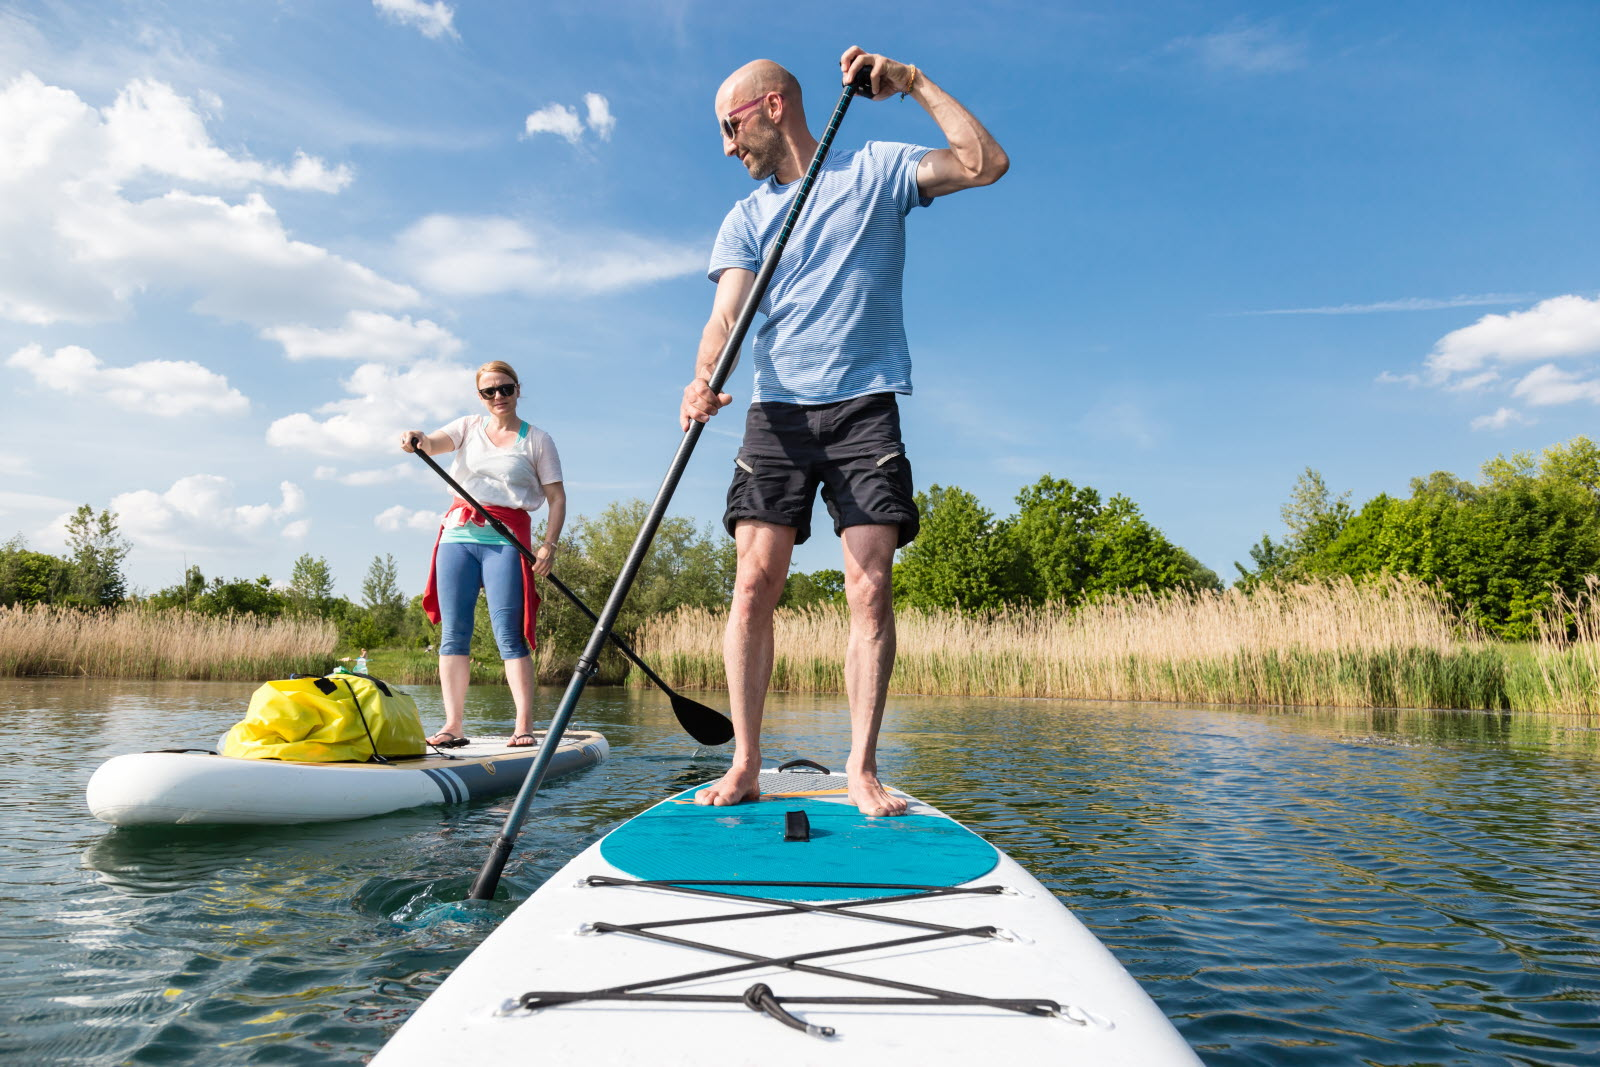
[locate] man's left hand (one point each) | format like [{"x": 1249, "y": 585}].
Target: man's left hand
[{"x": 889, "y": 76}]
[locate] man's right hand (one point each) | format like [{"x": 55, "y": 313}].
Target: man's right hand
[{"x": 700, "y": 403}]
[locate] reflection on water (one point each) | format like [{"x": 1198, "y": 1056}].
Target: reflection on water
[{"x": 1307, "y": 886}]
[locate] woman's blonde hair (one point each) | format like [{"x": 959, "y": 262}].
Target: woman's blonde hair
[{"x": 496, "y": 366}]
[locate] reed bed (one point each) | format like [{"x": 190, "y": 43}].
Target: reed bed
[
  {"x": 1562, "y": 670},
  {"x": 135, "y": 643},
  {"x": 1391, "y": 642}
]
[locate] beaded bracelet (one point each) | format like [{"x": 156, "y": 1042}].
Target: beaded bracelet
[{"x": 911, "y": 83}]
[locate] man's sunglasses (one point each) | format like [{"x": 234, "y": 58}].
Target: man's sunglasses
[
  {"x": 508, "y": 389},
  {"x": 728, "y": 126}
]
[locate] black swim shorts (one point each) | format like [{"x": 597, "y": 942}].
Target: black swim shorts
[{"x": 851, "y": 449}]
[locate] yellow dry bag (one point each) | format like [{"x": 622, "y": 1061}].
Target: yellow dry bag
[{"x": 345, "y": 718}]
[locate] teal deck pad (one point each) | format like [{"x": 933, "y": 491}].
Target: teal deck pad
[{"x": 679, "y": 839}]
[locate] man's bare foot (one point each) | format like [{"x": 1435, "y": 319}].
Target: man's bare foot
[
  {"x": 868, "y": 794},
  {"x": 737, "y": 786}
]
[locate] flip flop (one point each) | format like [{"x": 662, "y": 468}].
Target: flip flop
[
  {"x": 531, "y": 739},
  {"x": 456, "y": 741}
]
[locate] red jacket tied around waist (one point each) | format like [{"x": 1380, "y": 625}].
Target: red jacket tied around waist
[{"x": 520, "y": 523}]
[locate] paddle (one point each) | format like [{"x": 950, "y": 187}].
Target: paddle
[
  {"x": 705, "y": 725},
  {"x": 489, "y": 877}
]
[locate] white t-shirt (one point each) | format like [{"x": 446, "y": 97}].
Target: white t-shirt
[{"x": 509, "y": 477}]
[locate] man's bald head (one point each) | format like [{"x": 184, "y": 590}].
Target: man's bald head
[
  {"x": 769, "y": 130},
  {"x": 754, "y": 78}
]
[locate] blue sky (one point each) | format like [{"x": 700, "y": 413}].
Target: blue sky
[{"x": 241, "y": 245}]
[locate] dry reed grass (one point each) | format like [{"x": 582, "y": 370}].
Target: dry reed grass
[
  {"x": 1566, "y": 655},
  {"x": 135, "y": 643},
  {"x": 1392, "y": 642}
]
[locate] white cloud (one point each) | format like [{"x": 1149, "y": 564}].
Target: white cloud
[
  {"x": 28, "y": 509},
  {"x": 556, "y": 118},
  {"x": 151, "y": 129},
  {"x": 384, "y": 402},
  {"x": 1561, "y": 327},
  {"x": 462, "y": 255},
  {"x": 1474, "y": 382},
  {"x": 238, "y": 257},
  {"x": 563, "y": 121},
  {"x": 433, "y": 20},
  {"x": 198, "y": 511},
  {"x": 1502, "y": 418},
  {"x": 1410, "y": 303},
  {"x": 1244, "y": 48},
  {"x": 1386, "y": 378},
  {"x": 157, "y": 387},
  {"x": 600, "y": 119},
  {"x": 1491, "y": 356},
  {"x": 1549, "y": 385},
  {"x": 400, "y": 518},
  {"x": 367, "y": 335},
  {"x": 80, "y": 248}
]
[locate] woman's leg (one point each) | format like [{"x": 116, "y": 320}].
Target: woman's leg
[
  {"x": 459, "y": 575},
  {"x": 502, "y": 586}
]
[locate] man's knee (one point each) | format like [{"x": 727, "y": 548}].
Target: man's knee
[
  {"x": 757, "y": 585},
  {"x": 870, "y": 593}
]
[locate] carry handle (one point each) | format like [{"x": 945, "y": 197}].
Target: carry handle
[{"x": 813, "y": 764}]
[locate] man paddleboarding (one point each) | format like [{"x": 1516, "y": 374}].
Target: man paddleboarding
[{"x": 829, "y": 360}]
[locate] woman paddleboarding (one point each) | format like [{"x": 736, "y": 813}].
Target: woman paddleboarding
[{"x": 511, "y": 467}]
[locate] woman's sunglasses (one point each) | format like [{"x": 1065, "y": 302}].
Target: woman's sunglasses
[
  {"x": 729, "y": 127},
  {"x": 508, "y": 389}
]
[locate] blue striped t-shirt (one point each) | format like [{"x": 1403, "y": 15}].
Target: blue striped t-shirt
[{"x": 833, "y": 328}]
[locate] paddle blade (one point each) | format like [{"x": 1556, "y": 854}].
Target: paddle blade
[{"x": 705, "y": 725}]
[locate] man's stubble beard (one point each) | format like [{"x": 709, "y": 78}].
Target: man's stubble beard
[{"x": 764, "y": 152}]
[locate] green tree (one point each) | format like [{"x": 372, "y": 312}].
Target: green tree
[
  {"x": 186, "y": 594},
  {"x": 1054, "y": 536},
  {"x": 310, "y": 590},
  {"x": 96, "y": 550},
  {"x": 818, "y": 587},
  {"x": 1313, "y": 517},
  {"x": 961, "y": 558},
  {"x": 28, "y": 577},
  {"x": 384, "y": 603},
  {"x": 1270, "y": 558},
  {"x": 1197, "y": 575},
  {"x": 1497, "y": 548},
  {"x": 1070, "y": 545},
  {"x": 1576, "y": 463},
  {"x": 242, "y": 596}
]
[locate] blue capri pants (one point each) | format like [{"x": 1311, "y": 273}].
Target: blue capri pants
[{"x": 461, "y": 568}]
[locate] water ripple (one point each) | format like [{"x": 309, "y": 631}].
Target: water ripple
[{"x": 1310, "y": 887}]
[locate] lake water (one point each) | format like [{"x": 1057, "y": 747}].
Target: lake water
[{"x": 1304, "y": 887}]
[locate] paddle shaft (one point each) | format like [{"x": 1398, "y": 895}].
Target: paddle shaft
[
  {"x": 501, "y": 528},
  {"x": 489, "y": 877}
]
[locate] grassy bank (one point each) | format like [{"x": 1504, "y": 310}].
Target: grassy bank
[
  {"x": 1391, "y": 643},
  {"x": 136, "y": 642},
  {"x": 133, "y": 643}
]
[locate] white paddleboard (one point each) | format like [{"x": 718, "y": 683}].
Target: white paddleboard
[
  {"x": 178, "y": 788},
  {"x": 988, "y": 965}
]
